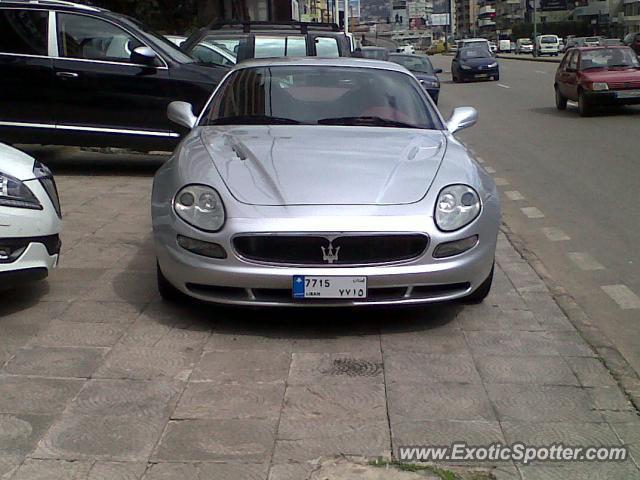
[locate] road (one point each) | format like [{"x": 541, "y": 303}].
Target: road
[{"x": 570, "y": 188}]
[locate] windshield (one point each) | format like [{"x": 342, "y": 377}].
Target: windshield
[
  {"x": 609, "y": 58},
  {"x": 526, "y": 41},
  {"x": 549, "y": 40},
  {"x": 320, "y": 95},
  {"x": 479, "y": 52},
  {"x": 413, "y": 63}
]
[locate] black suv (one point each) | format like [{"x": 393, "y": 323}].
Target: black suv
[
  {"x": 266, "y": 39},
  {"x": 78, "y": 75}
]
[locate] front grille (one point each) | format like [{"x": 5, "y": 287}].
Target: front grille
[
  {"x": 624, "y": 85},
  {"x": 319, "y": 250}
]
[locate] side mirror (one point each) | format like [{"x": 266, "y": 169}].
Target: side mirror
[
  {"x": 144, "y": 56},
  {"x": 182, "y": 114},
  {"x": 437, "y": 70},
  {"x": 462, "y": 117}
]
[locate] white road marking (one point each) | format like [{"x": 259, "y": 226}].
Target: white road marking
[
  {"x": 584, "y": 261},
  {"x": 514, "y": 195},
  {"x": 501, "y": 181},
  {"x": 490, "y": 170},
  {"x": 479, "y": 160},
  {"x": 555, "y": 234},
  {"x": 540, "y": 71},
  {"x": 623, "y": 296},
  {"x": 532, "y": 212},
  {"x": 503, "y": 86}
]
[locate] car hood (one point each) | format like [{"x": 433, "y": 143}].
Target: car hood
[
  {"x": 478, "y": 62},
  {"x": 325, "y": 165},
  {"x": 425, "y": 76},
  {"x": 16, "y": 163},
  {"x": 617, "y": 75}
]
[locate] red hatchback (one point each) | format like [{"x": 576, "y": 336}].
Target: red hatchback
[{"x": 598, "y": 76}]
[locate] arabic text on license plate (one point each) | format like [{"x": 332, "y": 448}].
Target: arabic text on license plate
[
  {"x": 329, "y": 287},
  {"x": 630, "y": 94}
]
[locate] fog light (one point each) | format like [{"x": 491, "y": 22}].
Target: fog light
[
  {"x": 449, "y": 249},
  {"x": 206, "y": 249}
]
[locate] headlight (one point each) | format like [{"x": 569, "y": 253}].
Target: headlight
[
  {"x": 457, "y": 206},
  {"x": 599, "y": 86},
  {"x": 429, "y": 84},
  {"x": 465, "y": 67},
  {"x": 201, "y": 207},
  {"x": 45, "y": 177},
  {"x": 14, "y": 193},
  {"x": 493, "y": 65}
]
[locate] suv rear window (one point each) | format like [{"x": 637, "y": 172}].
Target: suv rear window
[{"x": 23, "y": 32}]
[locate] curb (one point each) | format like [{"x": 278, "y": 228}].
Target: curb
[
  {"x": 531, "y": 59},
  {"x": 625, "y": 376}
]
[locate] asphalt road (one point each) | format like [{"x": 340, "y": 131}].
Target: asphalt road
[{"x": 577, "y": 180}]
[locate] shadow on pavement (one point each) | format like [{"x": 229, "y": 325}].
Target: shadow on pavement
[{"x": 572, "y": 111}]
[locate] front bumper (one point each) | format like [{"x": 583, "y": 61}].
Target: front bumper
[
  {"x": 241, "y": 282},
  {"x": 613, "y": 97},
  {"x": 34, "y": 263},
  {"x": 479, "y": 74}
]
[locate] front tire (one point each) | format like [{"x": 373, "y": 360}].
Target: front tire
[
  {"x": 561, "y": 100},
  {"x": 168, "y": 292},
  {"x": 483, "y": 290},
  {"x": 584, "y": 107}
]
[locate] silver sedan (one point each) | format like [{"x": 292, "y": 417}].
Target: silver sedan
[{"x": 323, "y": 182}]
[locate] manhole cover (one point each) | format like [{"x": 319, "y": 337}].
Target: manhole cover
[{"x": 354, "y": 367}]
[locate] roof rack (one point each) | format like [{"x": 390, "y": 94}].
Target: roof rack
[
  {"x": 54, "y": 3},
  {"x": 247, "y": 27}
]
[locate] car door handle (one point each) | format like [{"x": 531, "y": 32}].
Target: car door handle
[{"x": 67, "y": 75}]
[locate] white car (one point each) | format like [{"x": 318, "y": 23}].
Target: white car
[{"x": 30, "y": 219}]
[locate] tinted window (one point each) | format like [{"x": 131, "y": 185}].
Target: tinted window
[
  {"x": 23, "y": 32},
  {"x": 327, "y": 47},
  {"x": 475, "y": 52},
  {"x": 609, "y": 58},
  {"x": 89, "y": 38},
  {"x": 315, "y": 95},
  {"x": 268, "y": 47}
]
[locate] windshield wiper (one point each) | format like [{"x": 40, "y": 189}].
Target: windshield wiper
[
  {"x": 365, "y": 121},
  {"x": 253, "y": 120}
]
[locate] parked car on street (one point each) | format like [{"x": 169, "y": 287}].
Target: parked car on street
[
  {"x": 505, "y": 46},
  {"x": 633, "y": 40},
  {"x": 207, "y": 53},
  {"x": 410, "y": 49},
  {"x": 79, "y": 75},
  {"x": 611, "y": 42},
  {"x": 373, "y": 53},
  {"x": 474, "y": 63},
  {"x": 524, "y": 45},
  {"x": 324, "y": 182},
  {"x": 598, "y": 76},
  {"x": 423, "y": 70},
  {"x": 29, "y": 219},
  {"x": 546, "y": 45},
  {"x": 493, "y": 47},
  {"x": 592, "y": 41},
  {"x": 272, "y": 40}
]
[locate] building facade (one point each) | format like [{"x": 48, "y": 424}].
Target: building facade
[{"x": 466, "y": 18}]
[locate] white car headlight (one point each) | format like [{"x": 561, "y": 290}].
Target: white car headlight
[
  {"x": 599, "y": 86},
  {"x": 201, "y": 207},
  {"x": 493, "y": 65},
  {"x": 429, "y": 84},
  {"x": 457, "y": 206},
  {"x": 14, "y": 193}
]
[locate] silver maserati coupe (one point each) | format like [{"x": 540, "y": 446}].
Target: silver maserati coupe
[{"x": 323, "y": 182}]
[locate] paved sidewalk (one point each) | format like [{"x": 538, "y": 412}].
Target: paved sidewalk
[{"x": 99, "y": 379}]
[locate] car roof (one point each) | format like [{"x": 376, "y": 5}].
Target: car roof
[
  {"x": 321, "y": 62},
  {"x": 371, "y": 47},
  {"x": 601, "y": 47},
  {"x": 49, "y": 4}
]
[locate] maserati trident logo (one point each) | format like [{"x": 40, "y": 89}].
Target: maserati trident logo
[{"x": 330, "y": 255}]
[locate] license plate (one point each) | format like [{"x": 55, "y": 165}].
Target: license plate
[
  {"x": 305, "y": 286},
  {"x": 482, "y": 75},
  {"x": 631, "y": 94}
]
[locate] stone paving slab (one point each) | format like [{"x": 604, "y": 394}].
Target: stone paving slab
[{"x": 100, "y": 379}]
